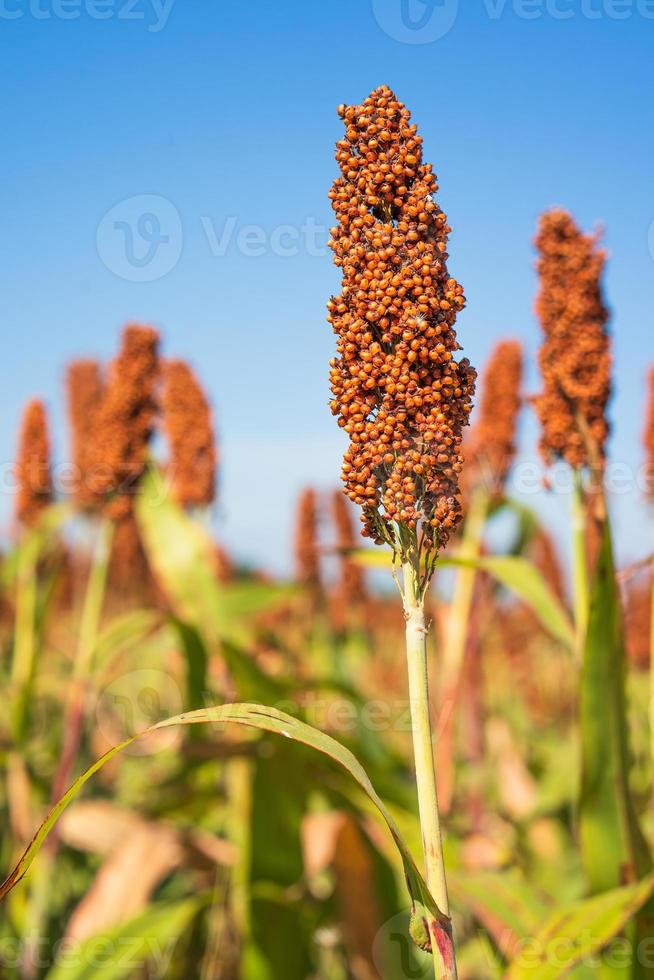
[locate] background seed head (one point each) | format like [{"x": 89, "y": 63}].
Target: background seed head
[
  {"x": 33, "y": 465},
  {"x": 575, "y": 356},
  {"x": 189, "y": 430}
]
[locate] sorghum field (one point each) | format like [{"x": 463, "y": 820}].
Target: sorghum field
[{"x": 428, "y": 751}]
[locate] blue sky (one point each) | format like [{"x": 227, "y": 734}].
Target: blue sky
[{"x": 201, "y": 134}]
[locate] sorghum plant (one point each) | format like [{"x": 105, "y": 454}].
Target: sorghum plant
[
  {"x": 84, "y": 388},
  {"x": 575, "y": 362},
  {"x": 491, "y": 448},
  {"x": 575, "y": 356},
  {"x": 648, "y": 437},
  {"x": 189, "y": 429},
  {"x": 352, "y": 581},
  {"x": 126, "y": 420},
  {"x": 307, "y": 557},
  {"x": 33, "y": 468},
  {"x": 400, "y": 394}
]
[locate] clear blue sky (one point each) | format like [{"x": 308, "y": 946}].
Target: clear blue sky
[{"x": 227, "y": 112}]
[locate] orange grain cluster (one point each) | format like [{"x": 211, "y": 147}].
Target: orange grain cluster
[
  {"x": 397, "y": 389},
  {"x": 352, "y": 584},
  {"x": 32, "y": 470},
  {"x": 84, "y": 387},
  {"x": 493, "y": 440},
  {"x": 189, "y": 428},
  {"x": 648, "y": 436},
  {"x": 575, "y": 357},
  {"x": 125, "y": 420},
  {"x": 307, "y": 557}
]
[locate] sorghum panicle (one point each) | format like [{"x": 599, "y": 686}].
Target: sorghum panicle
[
  {"x": 575, "y": 357},
  {"x": 648, "y": 436},
  {"x": 307, "y": 557},
  {"x": 84, "y": 387},
  {"x": 352, "y": 584},
  {"x": 129, "y": 572},
  {"x": 398, "y": 391},
  {"x": 189, "y": 429},
  {"x": 492, "y": 446},
  {"x": 33, "y": 466},
  {"x": 126, "y": 419}
]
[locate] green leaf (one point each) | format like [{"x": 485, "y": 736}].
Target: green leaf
[
  {"x": 522, "y": 578},
  {"x": 123, "y": 952},
  {"x": 613, "y": 847},
  {"x": 572, "y": 935},
  {"x": 499, "y": 901},
  {"x": 122, "y": 632},
  {"x": 182, "y": 556},
  {"x": 517, "y": 574},
  {"x": 264, "y": 719}
]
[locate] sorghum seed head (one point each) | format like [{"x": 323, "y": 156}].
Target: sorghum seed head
[
  {"x": 129, "y": 571},
  {"x": 32, "y": 470},
  {"x": 491, "y": 449},
  {"x": 575, "y": 357},
  {"x": 189, "y": 429},
  {"x": 126, "y": 419},
  {"x": 352, "y": 584},
  {"x": 398, "y": 391},
  {"x": 648, "y": 436},
  {"x": 307, "y": 558},
  {"x": 84, "y": 387}
]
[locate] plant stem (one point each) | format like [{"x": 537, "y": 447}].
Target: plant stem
[
  {"x": 579, "y": 563},
  {"x": 86, "y": 643},
  {"x": 456, "y": 635},
  {"x": 651, "y": 669},
  {"x": 24, "y": 653},
  {"x": 416, "y": 649}
]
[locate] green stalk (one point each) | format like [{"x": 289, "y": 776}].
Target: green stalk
[
  {"x": 456, "y": 637},
  {"x": 24, "y": 654},
  {"x": 93, "y": 601},
  {"x": 82, "y": 667},
  {"x": 416, "y": 650},
  {"x": 581, "y": 595}
]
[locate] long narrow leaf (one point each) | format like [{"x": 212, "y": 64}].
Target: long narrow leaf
[
  {"x": 524, "y": 580},
  {"x": 575, "y": 934},
  {"x": 124, "y": 951},
  {"x": 265, "y": 719},
  {"x": 611, "y": 841}
]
